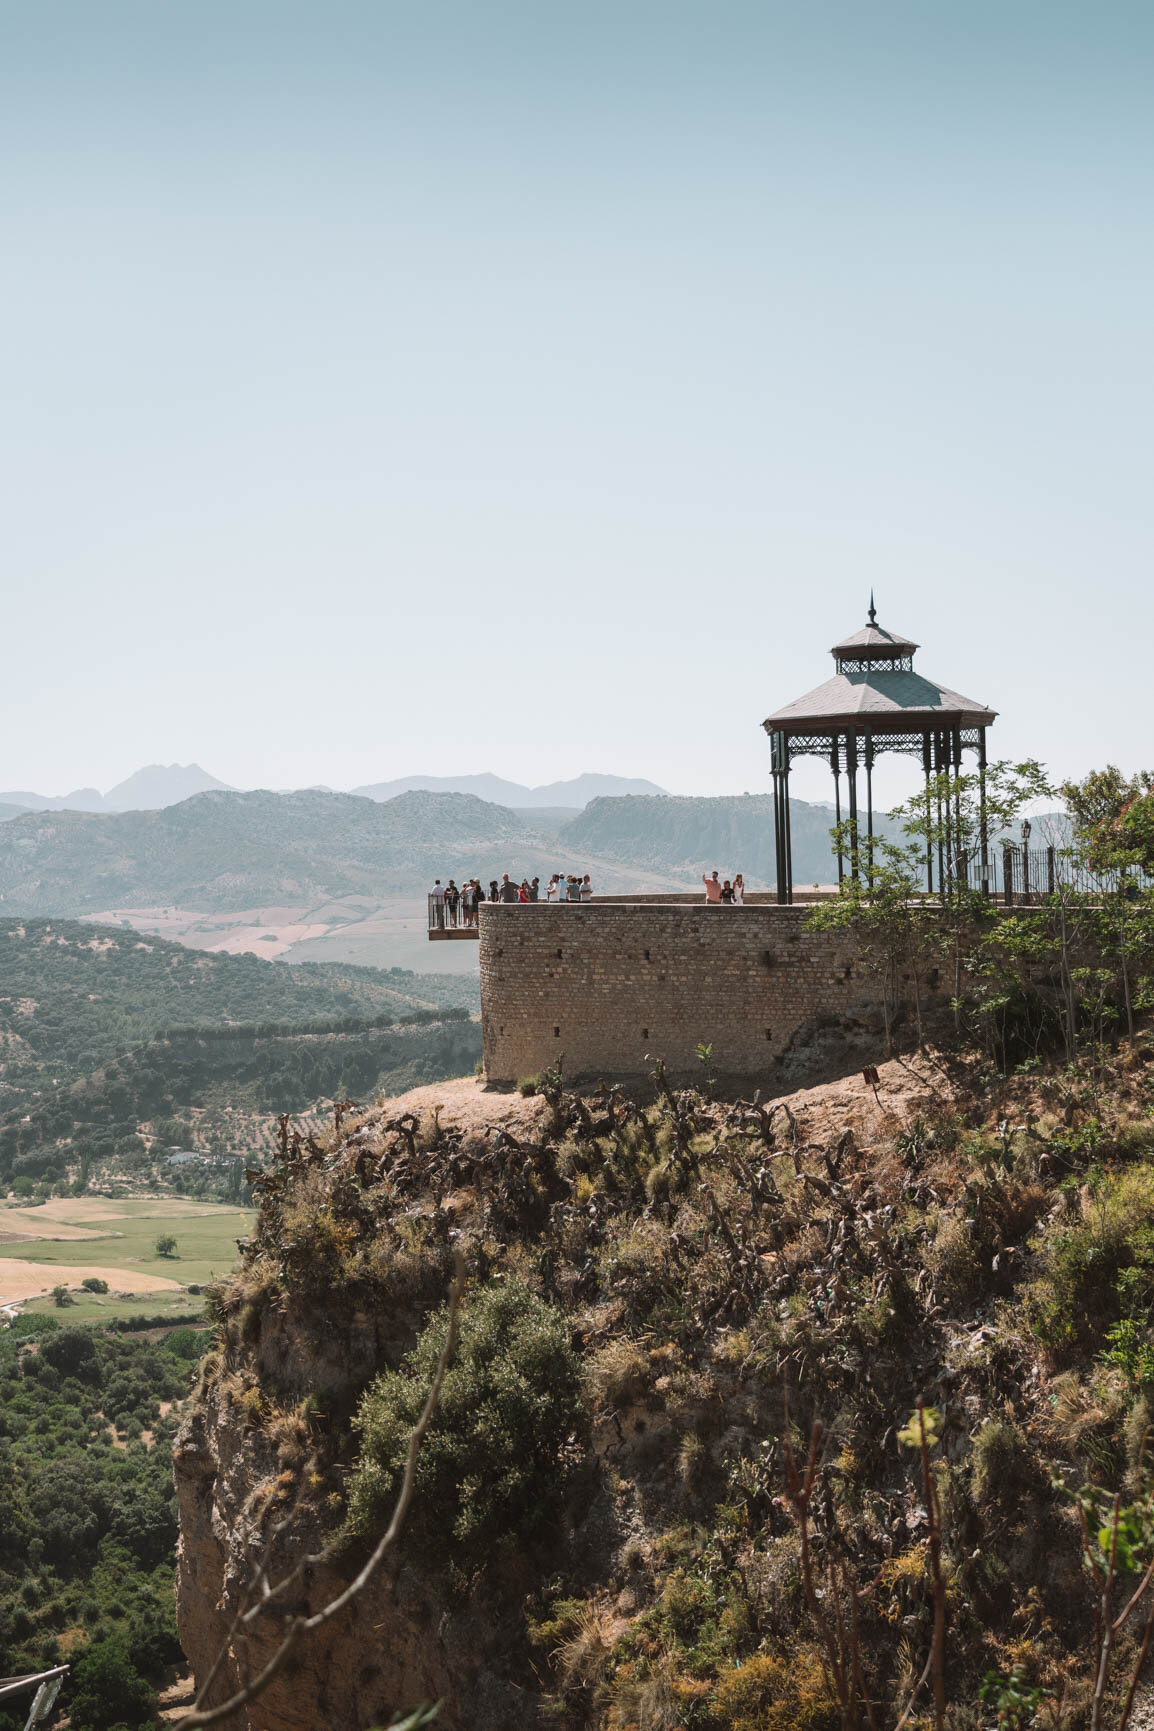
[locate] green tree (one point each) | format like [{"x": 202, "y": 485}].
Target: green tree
[
  {"x": 886, "y": 914},
  {"x": 61, "y": 1296},
  {"x": 509, "y": 1424},
  {"x": 166, "y": 1245},
  {"x": 107, "y": 1690}
]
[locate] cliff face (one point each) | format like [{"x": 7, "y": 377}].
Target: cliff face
[{"x": 398, "y": 1644}]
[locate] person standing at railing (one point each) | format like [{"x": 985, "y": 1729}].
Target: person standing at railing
[
  {"x": 452, "y": 901},
  {"x": 437, "y": 906},
  {"x": 738, "y": 891},
  {"x": 586, "y": 890}
]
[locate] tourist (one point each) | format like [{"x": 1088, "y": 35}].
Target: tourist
[
  {"x": 562, "y": 888},
  {"x": 452, "y": 901},
  {"x": 586, "y": 890},
  {"x": 494, "y": 892},
  {"x": 551, "y": 889},
  {"x": 524, "y": 891},
  {"x": 437, "y": 907},
  {"x": 469, "y": 901},
  {"x": 738, "y": 890},
  {"x": 727, "y": 893},
  {"x": 712, "y": 887},
  {"x": 509, "y": 891},
  {"x": 535, "y": 890}
]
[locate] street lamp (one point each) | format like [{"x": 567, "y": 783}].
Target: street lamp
[{"x": 1026, "y": 857}]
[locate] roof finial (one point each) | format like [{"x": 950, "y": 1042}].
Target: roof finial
[{"x": 873, "y": 613}]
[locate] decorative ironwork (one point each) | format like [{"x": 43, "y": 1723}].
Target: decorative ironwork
[{"x": 874, "y": 663}]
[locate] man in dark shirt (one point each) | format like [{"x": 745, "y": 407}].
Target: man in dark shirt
[{"x": 509, "y": 891}]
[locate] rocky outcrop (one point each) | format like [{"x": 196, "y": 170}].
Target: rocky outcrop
[{"x": 397, "y": 1645}]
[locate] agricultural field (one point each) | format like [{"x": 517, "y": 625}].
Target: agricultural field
[{"x": 70, "y": 1239}]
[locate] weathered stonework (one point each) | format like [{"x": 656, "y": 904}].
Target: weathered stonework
[{"x": 607, "y": 983}]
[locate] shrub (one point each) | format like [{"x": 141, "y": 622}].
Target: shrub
[
  {"x": 494, "y": 1462},
  {"x": 768, "y": 1693},
  {"x": 94, "y": 1284},
  {"x": 1002, "y": 1469}
]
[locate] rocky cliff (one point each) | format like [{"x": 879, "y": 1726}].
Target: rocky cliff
[{"x": 662, "y": 1300}]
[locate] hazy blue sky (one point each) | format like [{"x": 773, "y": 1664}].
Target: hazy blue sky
[{"x": 540, "y": 388}]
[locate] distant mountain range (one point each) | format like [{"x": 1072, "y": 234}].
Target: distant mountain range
[
  {"x": 160, "y": 785},
  {"x": 150, "y": 789},
  {"x": 224, "y": 851},
  {"x": 575, "y": 794},
  {"x": 732, "y": 833}
]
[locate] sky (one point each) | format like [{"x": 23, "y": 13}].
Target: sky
[{"x": 442, "y": 388}]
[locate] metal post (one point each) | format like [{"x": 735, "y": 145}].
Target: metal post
[
  {"x": 778, "y": 837},
  {"x": 938, "y": 752},
  {"x": 960, "y": 861},
  {"x": 835, "y": 765},
  {"x": 788, "y": 830},
  {"x": 1007, "y": 874},
  {"x": 869, "y": 769},
  {"x": 851, "y": 773},
  {"x": 926, "y": 763},
  {"x": 1051, "y": 872},
  {"x": 985, "y": 839}
]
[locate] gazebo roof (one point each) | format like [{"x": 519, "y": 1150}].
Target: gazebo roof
[
  {"x": 887, "y": 702},
  {"x": 872, "y": 639},
  {"x": 884, "y": 695}
]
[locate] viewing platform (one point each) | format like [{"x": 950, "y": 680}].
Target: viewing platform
[
  {"x": 447, "y": 921},
  {"x": 1012, "y": 876}
]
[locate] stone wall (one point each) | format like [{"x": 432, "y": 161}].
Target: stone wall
[{"x": 607, "y": 983}]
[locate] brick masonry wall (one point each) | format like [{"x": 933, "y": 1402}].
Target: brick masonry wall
[{"x": 605, "y": 984}]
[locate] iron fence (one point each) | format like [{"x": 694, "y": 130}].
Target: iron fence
[{"x": 1021, "y": 875}]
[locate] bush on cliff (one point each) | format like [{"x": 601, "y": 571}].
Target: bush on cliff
[{"x": 510, "y": 1424}]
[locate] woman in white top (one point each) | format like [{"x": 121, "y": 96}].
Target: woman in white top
[
  {"x": 586, "y": 890},
  {"x": 738, "y": 890}
]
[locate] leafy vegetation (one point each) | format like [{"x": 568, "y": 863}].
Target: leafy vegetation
[
  {"x": 492, "y": 1471},
  {"x": 87, "y": 1513}
]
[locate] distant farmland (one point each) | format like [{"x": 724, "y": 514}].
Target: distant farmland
[{"x": 64, "y": 1241}]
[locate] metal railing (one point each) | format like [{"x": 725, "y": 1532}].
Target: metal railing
[
  {"x": 1021, "y": 875},
  {"x": 452, "y": 911}
]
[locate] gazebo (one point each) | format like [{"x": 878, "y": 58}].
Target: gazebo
[{"x": 875, "y": 702}]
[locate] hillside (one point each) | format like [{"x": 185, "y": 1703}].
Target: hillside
[
  {"x": 689, "y": 836},
  {"x": 76, "y": 996},
  {"x": 322, "y": 859},
  {"x": 241, "y": 850}
]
